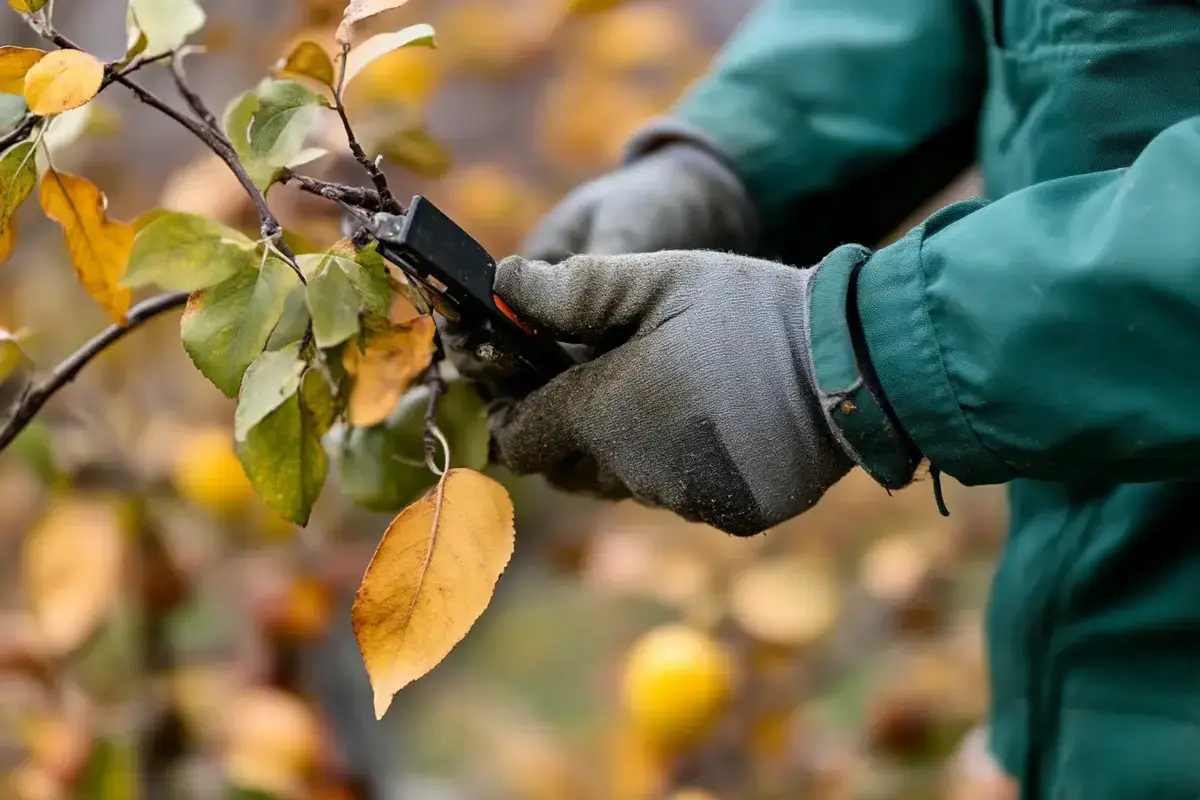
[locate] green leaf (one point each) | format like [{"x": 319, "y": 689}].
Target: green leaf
[
  {"x": 236, "y": 123},
  {"x": 187, "y": 252},
  {"x": 382, "y": 467},
  {"x": 109, "y": 773},
  {"x": 166, "y": 24},
  {"x": 339, "y": 290},
  {"x": 293, "y": 324},
  {"x": 288, "y": 113},
  {"x": 417, "y": 151},
  {"x": 18, "y": 176},
  {"x": 226, "y": 327},
  {"x": 270, "y": 381},
  {"x": 381, "y": 44},
  {"x": 284, "y": 459}
]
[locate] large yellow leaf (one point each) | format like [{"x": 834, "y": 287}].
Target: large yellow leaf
[
  {"x": 431, "y": 578},
  {"x": 14, "y": 63},
  {"x": 385, "y": 369},
  {"x": 358, "y": 10},
  {"x": 99, "y": 247},
  {"x": 71, "y": 567},
  {"x": 62, "y": 80}
]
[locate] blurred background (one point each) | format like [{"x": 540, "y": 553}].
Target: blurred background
[{"x": 210, "y": 653}]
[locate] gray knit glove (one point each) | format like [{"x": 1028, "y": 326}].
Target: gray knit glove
[
  {"x": 679, "y": 196},
  {"x": 699, "y": 398}
]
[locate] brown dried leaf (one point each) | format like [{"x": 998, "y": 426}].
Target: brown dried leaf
[
  {"x": 392, "y": 359},
  {"x": 431, "y": 578}
]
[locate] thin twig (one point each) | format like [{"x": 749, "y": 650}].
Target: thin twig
[
  {"x": 194, "y": 100},
  {"x": 37, "y": 395},
  {"x": 351, "y": 195},
  {"x": 386, "y": 200},
  {"x": 437, "y": 387}
]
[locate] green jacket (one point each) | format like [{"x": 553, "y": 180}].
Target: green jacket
[{"x": 1049, "y": 338}]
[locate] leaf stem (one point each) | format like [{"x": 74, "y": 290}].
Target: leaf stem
[
  {"x": 387, "y": 201},
  {"x": 37, "y": 395}
]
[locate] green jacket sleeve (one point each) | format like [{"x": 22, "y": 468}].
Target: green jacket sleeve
[
  {"x": 845, "y": 114},
  {"x": 1052, "y": 334}
]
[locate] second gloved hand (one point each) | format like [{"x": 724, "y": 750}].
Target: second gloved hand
[
  {"x": 699, "y": 397},
  {"x": 676, "y": 197}
]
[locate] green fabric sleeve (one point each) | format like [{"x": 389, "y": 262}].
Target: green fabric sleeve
[
  {"x": 1052, "y": 334},
  {"x": 845, "y": 114}
]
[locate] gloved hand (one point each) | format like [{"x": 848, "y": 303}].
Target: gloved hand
[
  {"x": 676, "y": 197},
  {"x": 699, "y": 397}
]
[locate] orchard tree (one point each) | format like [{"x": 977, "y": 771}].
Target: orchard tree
[{"x": 304, "y": 341}]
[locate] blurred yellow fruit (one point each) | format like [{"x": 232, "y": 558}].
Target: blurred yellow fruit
[
  {"x": 692, "y": 794},
  {"x": 408, "y": 76},
  {"x": 272, "y": 740},
  {"x": 207, "y": 473},
  {"x": 637, "y": 37},
  {"x": 676, "y": 684}
]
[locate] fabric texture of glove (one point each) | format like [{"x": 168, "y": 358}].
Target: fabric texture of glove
[
  {"x": 678, "y": 196},
  {"x": 700, "y": 396}
]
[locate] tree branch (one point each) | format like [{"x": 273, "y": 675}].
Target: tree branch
[
  {"x": 216, "y": 141},
  {"x": 194, "y": 101},
  {"x": 37, "y": 395},
  {"x": 19, "y": 133},
  {"x": 337, "y": 192},
  {"x": 386, "y": 201}
]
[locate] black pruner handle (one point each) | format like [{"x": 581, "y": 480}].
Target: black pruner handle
[{"x": 428, "y": 244}]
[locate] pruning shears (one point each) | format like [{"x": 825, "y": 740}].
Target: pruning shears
[{"x": 434, "y": 252}]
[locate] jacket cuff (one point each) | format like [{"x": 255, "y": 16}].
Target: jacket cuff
[
  {"x": 855, "y": 413},
  {"x": 909, "y": 358}
]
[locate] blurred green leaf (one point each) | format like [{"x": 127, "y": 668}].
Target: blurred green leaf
[
  {"x": 109, "y": 774},
  {"x": 294, "y": 322},
  {"x": 166, "y": 24},
  {"x": 382, "y": 468},
  {"x": 339, "y": 289},
  {"x": 271, "y": 380},
  {"x": 238, "y": 116},
  {"x": 417, "y": 151},
  {"x": 35, "y": 448},
  {"x": 187, "y": 252},
  {"x": 288, "y": 113},
  {"x": 226, "y": 327}
]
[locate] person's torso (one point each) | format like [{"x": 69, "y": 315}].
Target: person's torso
[{"x": 1094, "y": 625}]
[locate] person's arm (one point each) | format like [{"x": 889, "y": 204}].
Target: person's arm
[
  {"x": 840, "y": 116},
  {"x": 1052, "y": 334}
]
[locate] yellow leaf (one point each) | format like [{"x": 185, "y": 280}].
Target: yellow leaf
[
  {"x": 358, "y": 10},
  {"x": 431, "y": 578},
  {"x": 8, "y": 240},
  {"x": 62, "y": 80},
  {"x": 71, "y": 568},
  {"x": 99, "y": 247},
  {"x": 789, "y": 602},
  {"x": 14, "y": 63},
  {"x": 27, "y": 6},
  {"x": 272, "y": 741},
  {"x": 390, "y": 362},
  {"x": 308, "y": 60}
]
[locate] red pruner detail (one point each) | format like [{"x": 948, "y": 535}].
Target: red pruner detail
[{"x": 508, "y": 312}]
